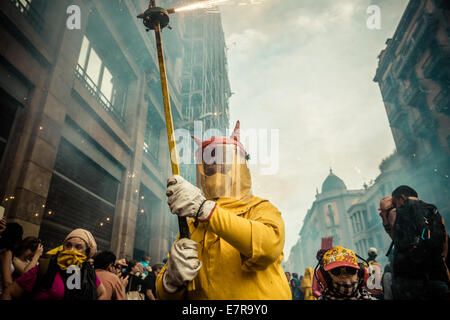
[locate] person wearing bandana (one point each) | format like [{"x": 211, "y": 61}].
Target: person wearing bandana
[
  {"x": 236, "y": 245},
  {"x": 341, "y": 276},
  {"x": 68, "y": 276}
]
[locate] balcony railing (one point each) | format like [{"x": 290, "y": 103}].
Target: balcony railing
[
  {"x": 27, "y": 8},
  {"x": 423, "y": 33},
  {"x": 389, "y": 89},
  {"x": 442, "y": 102},
  {"x": 398, "y": 118},
  {"x": 100, "y": 97},
  {"x": 414, "y": 96},
  {"x": 402, "y": 68},
  {"x": 437, "y": 65}
]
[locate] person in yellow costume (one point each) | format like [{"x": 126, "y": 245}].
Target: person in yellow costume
[
  {"x": 237, "y": 239},
  {"x": 306, "y": 284}
]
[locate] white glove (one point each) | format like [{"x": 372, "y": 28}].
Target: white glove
[
  {"x": 185, "y": 199},
  {"x": 182, "y": 266}
]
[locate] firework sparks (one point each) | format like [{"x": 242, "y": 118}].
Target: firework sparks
[{"x": 201, "y": 5}]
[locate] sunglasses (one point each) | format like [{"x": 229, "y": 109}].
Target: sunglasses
[{"x": 347, "y": 270}]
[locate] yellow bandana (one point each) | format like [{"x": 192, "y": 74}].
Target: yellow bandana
[{"x": 67, "y": 258}]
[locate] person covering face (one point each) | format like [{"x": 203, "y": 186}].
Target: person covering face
[
  {"x": 340, "y": 272},
  {"x": 237, "y": 239},
  {"x": 67, "y": 260}
]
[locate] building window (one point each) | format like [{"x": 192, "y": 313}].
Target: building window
[
  {"x": 152, "y": 136},
  {"x": 358, "y": 221},
  {"x": 31, "y": 9},
  {"x": 100, "y": 81},
  {"x": 353, "y": 223},
  {"x": 365, "y": 218},
  {"x": 331, "y": 215}
]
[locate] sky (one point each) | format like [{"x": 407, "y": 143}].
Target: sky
[{"x": 306, "y": 69}]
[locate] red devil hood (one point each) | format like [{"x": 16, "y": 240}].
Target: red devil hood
[{"x": 233, "y": 139}]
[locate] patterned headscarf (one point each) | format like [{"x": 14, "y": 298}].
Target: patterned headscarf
[{"x": 87, "y": 237}]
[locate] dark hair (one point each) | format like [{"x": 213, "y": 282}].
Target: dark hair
[
  {"x": 30, "y": 243},
  {"x": 320, "y": 254},
  {"x": 12, "y": 236},
  {"x": 295, "y": 275},
  {"x": 104, "y": 259},
  {"x": 145, "y": 257},
  {"x": 404, "y": 190},
  {"x": 131, "y": 265},
  {"x": 157, "y": 266}
]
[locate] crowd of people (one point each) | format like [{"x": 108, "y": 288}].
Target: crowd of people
[
  {"x": 73, "y": 271},
  {"x": 417, "y": 267},
  {"x": 233, "y": 250}
]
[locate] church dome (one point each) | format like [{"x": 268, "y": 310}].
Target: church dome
[{"x": 333, "y": 182}]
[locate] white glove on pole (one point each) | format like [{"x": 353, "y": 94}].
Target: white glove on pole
[
  {"x": 182, "y": 266},
  {"x": 185, "y": 199}
]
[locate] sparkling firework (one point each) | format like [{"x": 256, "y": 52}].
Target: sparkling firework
[{"x": 200, "y": 5}]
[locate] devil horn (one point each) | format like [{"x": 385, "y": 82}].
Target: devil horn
[
  {"x": 236, "y": 135},
  {"x": 198, "y": 141}
]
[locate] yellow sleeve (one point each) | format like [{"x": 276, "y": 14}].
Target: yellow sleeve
[
  {"x": 259, "y": 238},
  {"x": 163, "y": 294}
]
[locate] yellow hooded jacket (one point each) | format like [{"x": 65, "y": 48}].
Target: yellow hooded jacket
[
  {"x": 306, "y": 285},
  {"x": 241, "y": 248}
]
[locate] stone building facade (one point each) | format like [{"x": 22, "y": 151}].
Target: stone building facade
[
  {"x": 367, "y": 226},
  {"x": 414, "y": 79},
  {"x": 83, "y": 138},
  {"x": 326, "y": 218}
]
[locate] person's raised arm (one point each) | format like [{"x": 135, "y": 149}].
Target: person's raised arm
[{"x": 21, "y": 269}]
